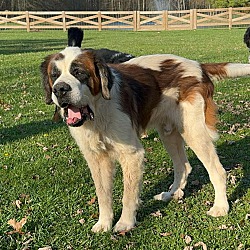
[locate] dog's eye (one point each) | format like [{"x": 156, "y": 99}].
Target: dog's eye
[
  {"x": 79, "y": 74},
  {"x": 54, "y": 75}
]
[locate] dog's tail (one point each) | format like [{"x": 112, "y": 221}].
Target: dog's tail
[
  {"x": 75, "y": 37},
  {"x": 219, "y": 71}
]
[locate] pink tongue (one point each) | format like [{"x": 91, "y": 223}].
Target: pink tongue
[{"x": 74, "y": 115}]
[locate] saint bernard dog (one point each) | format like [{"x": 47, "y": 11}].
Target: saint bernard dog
[
  {"x": 75, "y": 38},
  {"x": 107, "y": 106}
]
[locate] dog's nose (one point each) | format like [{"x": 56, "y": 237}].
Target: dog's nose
[{"x": 61, "y": 89}]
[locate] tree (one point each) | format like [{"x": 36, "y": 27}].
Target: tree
[
  {"x": 115, "y": 5},
  {"x": 229, "y": 3}
]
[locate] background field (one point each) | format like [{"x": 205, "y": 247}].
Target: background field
[{"x": 44, "y": 179}]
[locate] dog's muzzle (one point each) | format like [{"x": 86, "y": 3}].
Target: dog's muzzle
[
  {"x": 73, "y": 116},
  {"x": 60, "y": 90}
]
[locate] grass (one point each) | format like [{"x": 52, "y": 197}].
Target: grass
[{"x": 44, "y": 178}]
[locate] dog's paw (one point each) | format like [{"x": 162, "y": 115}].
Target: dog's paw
[
  {"x": 101, "y": 227},
  {"x": 164, "y": 196},
  {"x": 178, "y": 194},
  {"x": 167, "y": 196},
  {"x": 123, "y": 226},
  {"x": 217, "y": 211}
]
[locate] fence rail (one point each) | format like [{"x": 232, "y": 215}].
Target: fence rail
[{"x": 127, "y": 20}]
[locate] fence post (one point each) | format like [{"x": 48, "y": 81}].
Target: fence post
[
  {"x": 167, "y": 20},
  {"x": 138, "y": 20},
  {"x": 134, "y": 21},
  {"x": 230, "y": 17},
  {"x": 64, "y": 21},
  {"x": 193, "y": 19},
  {"x": 6, "y": 16},
  {"x": 164, "y": 19},
  {"x": 99, "y": 14},
  {"x": 27, "y": 21}
]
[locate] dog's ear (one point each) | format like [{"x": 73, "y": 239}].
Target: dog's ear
[
  {"x": 56, "y": 116},
  {"x": 75, "y": 37},
  {"x": 46, "y": 80},
  {"x": 104, "y": 78}
]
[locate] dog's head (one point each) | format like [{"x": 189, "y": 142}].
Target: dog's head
[{"x": 72, "y": 79}]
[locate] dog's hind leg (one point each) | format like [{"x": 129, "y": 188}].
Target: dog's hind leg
[
  {"x": 174, "y": 144},
  {"x": 102, "y": 170},
  {"x": 200, "y": 139},
  {"x": 132, "y": 163}
]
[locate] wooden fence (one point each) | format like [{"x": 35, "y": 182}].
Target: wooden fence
[{"x": 127, "y": 20}]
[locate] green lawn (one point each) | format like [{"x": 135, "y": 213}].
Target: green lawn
[{"x": 44, "y": 178}]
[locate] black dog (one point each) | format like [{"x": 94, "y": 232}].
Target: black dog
[
  {"x": 246, "y": 38},
  {"x": 75, "y": 38}
]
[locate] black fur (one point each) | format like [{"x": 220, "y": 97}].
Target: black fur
[
  {"x": 113, "y": 56},
  {"x": 247, "y": 38},
  {"x": 75, "y": 37}
]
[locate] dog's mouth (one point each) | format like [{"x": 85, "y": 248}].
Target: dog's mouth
[{"x": 75, "y": 116}]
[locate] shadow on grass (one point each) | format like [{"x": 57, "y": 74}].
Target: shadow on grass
[
  {"x": 17, "y": 46},
  {"x": 9, "y": 47},
  {"x": 26, "y": 130},
  {"x": 237, "y": 158},
  {"x": 233, "y": 156}
]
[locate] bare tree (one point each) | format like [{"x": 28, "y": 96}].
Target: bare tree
[
  {"x": 3, "y": 5},
  {"x": 110, "y": 5}
]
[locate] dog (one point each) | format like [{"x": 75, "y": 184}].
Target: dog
[
  {"x": 246, "y": 40},
  {"x": 75, "y": 38},
  {"x": 107, "y": 106}
]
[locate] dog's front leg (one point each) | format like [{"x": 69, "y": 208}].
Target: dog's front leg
[
  {"x": 132, "y": 167},
  {"x": 102, "y": 170}
]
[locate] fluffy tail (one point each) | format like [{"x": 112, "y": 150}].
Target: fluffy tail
[
  {"x": 75, "y": 37},
  {"x": 218, "y": 71}
]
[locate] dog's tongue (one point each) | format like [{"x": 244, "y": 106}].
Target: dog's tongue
[{"x": 74, "y": 115}]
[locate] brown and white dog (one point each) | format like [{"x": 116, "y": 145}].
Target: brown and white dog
[
  {"x": 107, "y": 106},
  {"x": 75, "y": 38}
]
